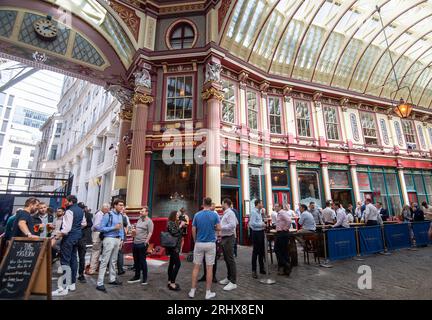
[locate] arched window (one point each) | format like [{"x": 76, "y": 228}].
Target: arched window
[{"x": 182, "y": 36}]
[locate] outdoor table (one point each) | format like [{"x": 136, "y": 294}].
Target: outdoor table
[
  {"x": 391, "y": 222},
  {"x": 357, "y": 224},
  {"x": 292, "y": 246}
]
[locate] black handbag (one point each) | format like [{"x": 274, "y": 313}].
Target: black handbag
[{"x": 167, "y": 240}]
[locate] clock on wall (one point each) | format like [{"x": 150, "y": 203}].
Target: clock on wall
[{"x": 45, "y": 28}]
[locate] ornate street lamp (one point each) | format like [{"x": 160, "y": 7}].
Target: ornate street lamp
[{"x": 403, "y": 109}]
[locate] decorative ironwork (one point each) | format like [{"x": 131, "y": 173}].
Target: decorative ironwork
[
  {"x": 422, "y": 137},
  {"x": 384, "y": 131},
  {"x": 354, "y": 127},
  {"x": 398, "y": 133},
  {"x": 39, "y": 56}
]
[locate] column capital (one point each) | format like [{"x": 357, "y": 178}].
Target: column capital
[
  {"x": 142, "y": 98},
  {"x": 212, "y": 93},
  {"x": 126, "y": 114}
]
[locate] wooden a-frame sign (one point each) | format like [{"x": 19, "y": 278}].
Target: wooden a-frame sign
[{"x": 26, "y": 269}]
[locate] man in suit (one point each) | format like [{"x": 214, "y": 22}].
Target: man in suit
[{"x": 382, "y": 211}]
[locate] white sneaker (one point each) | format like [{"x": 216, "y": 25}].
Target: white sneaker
[
  {"x": 230, "y": 286},
  {"x": 60, "y": 292},
  {"x": 72, "y": 287},
  {"x": 191, "y": 293},
  {"x": 224, "y": 281},
  {"x": 210, "y": 295}
]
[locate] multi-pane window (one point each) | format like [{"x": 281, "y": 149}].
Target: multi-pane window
[
  {"x": 370, "y": 131},
  {"x": 179, "y": 98},
  {"x": 53, "y": 155},
  {"x": 32, "y": 153},
  {"x": 228, "y": 103},
  {"x": 303, "y": 117},
  {"x": 4, "y": 125},
  {"x": 58, "y": 130},
  {"x": 252, "y": 105},
  {"x": 182, "y": 37},
  {"x": 409, "y": 133},
  {"x": 12, "y": 176},
  {"x": 275, "y": 114},
  {"x": 14, "y": 163},
  {"x": 17, "y": 151},
  {"x": 331, "y": 122}
]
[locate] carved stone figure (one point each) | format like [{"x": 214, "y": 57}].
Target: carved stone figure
[
  {"x": 122, "y": 94},
  {"x": 143, "y": 79},
  {"x": 213, "y": 71}
]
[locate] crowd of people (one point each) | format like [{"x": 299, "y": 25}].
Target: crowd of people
[{"x": 71, "y": 228}]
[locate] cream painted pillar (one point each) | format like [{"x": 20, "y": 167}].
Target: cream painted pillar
[
  {"x": 355, "y": 184},
  {"x": 294, "y": 185},
  {"x": 120, "y": 181},
  {"x": 212, "y": 98},
  {"x": 403, "y": 186},
  {"x": 318, "y": 117},
  {"x": 244, "y": 142},
  {"x": 326, "y": 181},
  {"x": 266, "y": 146},
  {"x": 290, "y": 118},
  {"x": 141, "y": 101}
]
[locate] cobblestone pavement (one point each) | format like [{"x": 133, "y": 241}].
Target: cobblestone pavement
[{"x": 405, "y": 274}]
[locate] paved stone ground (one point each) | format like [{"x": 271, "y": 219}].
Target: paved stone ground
[{"x": 405, "y": 274}]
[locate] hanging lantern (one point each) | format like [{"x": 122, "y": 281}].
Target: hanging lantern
[{"x": 403, "y": 109}]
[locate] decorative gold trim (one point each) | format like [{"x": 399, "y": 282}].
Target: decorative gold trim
[
  {"x": 212, "y": 93},
  {"x": 140, "y": 98},
  {"x": 126, "y": 114}
]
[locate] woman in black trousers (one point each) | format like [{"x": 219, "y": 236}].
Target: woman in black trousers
[{"x": 175, "y": 229}]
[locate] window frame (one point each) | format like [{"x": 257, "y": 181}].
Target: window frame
[
  {"x": 281, "y": 115},
  {"x": 374, "y": 118},
  {"x": 235, "y": 89},
  {"x": 257, "y": 111},
  {"x": 311, "y": 122},
  {"x": 338, "y": 123},
  {"x": 414, "y": 133},
  {"x": 174, "y": 26},
  {"x": 165, "y": 96}
]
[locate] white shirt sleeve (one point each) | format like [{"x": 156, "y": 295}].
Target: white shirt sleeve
[
  {"x": 67, "y": 222},
  {"x": 84, "y": 221}
]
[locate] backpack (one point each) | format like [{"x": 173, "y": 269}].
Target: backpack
[{"x": 110, "y": 221}]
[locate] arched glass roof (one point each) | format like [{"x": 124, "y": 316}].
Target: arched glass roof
[{"x": 338, "y": 43}]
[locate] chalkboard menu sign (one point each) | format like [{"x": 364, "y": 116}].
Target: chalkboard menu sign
[{"x": 25, "y": 269}]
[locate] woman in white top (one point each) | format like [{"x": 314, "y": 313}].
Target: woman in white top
[{"x": 341, "y": 216}]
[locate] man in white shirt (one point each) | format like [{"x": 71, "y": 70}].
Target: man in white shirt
[
  {"x": 328, "y": 214},
  {"x": 292, "y": 214},
  {"x": 342, "y": 219},
  {"x": 97, "y": 243},
  {"x": 228, "y": 233},
  {"x": 371, "y": 214}
]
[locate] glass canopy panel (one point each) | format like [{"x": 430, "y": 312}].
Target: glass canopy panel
[{"x": 337, "y": 43}]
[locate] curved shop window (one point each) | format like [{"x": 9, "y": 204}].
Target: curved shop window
[
  {"x": 280, "y": 182},
  {"x": 419, "y": 185},
  {"x": 174, "y": 186},
  {"x": 310, "y": 187},
  {"x": 380, "y": 185}
]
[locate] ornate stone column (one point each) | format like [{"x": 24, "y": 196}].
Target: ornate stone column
[
  {"x": 326, "y": 181},
  {"x": 212, "y": 97},
  {"x": 244, "y": 141},
  {"x": 141, "y": 102},
  {"x": 355, "y": 184},
  {"x": 124, "y": 96},
  {"x": 403, "y": 185},
  {"x": 294, "y": 184}
]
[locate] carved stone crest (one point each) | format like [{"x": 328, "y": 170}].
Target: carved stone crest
[{"x": 122, "y": 94}]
